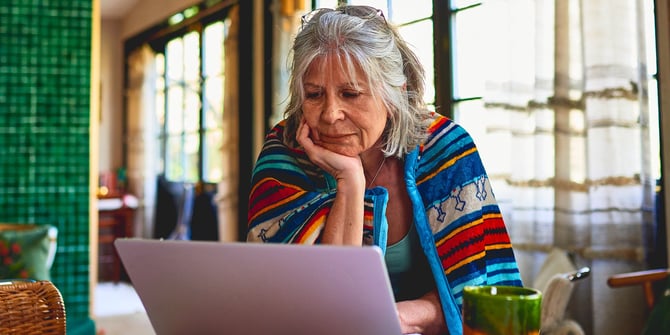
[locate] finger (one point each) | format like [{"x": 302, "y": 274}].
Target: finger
[
  {"x": 303, "y": 138},
  {"x": 302, "y": 135}
]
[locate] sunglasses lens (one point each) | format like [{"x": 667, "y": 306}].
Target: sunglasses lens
[{"x": 364, "y": 12}]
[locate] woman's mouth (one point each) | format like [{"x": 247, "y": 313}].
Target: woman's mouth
[{"x": 334, "y": 138}]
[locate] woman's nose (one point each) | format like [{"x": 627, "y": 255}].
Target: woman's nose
[{"x": 332, "y": 110}]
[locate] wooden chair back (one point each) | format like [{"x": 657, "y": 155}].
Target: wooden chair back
[
  {"x": 31, "y": 307},
  {"x": 645, "y": 279}
]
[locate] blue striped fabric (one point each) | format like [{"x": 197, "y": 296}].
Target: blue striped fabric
[{"x": 457, "y": 218}]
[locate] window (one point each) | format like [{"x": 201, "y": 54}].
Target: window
[
  {"x": 189, "y": 101},
  {"x": 446, "y": 84},
  {"x": 467, "y": 58},
  {"x": 182, "y": 120}
]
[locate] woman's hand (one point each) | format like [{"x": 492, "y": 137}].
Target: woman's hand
[
  {"x": 344, "y": 224},
  {"x": 422, "y": 316},
  {"x": 337, "y": 165}
]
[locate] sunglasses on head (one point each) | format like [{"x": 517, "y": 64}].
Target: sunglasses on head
[{"x": 363, "y": 12}]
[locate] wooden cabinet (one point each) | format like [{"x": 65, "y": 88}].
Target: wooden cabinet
[{"x": 113, "y": 222}]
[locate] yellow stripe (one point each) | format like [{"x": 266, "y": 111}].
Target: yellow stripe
[
  {"x": 261, "y": 182},
  {"x": 278, "y": 204},
  {"x": 253, "y": 189},
  {"x": 458, "y": 230},
  {"x": 499, "y": 246},
  {"x": 465, "y": 261},
  {"x": 477, "y": 256},
  {"x": 447, "y": 164},
  {"x": 313, "y": 226}
]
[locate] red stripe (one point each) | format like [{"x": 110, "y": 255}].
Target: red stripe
[
  {"x": 308, "y": 227},
  {"x": 267, "y": 194},
  {"x": 472, "y": 241},
  {"x": 437, "y": 124}
]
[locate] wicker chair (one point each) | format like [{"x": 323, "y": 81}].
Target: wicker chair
[{"x": 31, "y": 307}]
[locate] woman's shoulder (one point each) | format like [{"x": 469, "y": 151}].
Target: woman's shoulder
[
  {"x": 275, "y": 145},
  {"x": 448, "y": 156},
  {"x": 281, "y": 160},
  {"x": 275, "y": 139},
  {"x": 277, "y": 130},
  {"x": 443, "y": 128}
]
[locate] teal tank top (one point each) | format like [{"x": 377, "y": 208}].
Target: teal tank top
[{"x": 407, "y": 267}]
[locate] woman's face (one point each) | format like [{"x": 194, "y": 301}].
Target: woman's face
[{"x": 343, "y": 116}]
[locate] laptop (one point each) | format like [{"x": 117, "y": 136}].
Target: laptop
[{"x": 210, "y": 287}]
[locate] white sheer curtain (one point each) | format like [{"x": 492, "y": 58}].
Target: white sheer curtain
[
  {"x": 142, "y": 130},
  {"x": 566, "y": 141}
]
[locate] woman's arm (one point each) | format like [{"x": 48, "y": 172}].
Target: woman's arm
[
  {"x": 344, "y": 224},
  {"x": 422, "y": 316}
]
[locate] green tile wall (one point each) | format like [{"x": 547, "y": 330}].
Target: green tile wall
[{"x": 45, "y": 60}]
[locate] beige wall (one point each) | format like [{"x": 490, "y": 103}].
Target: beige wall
[
  {"x": 114, "y": 32},
  {"x": 111, "y": 85}
]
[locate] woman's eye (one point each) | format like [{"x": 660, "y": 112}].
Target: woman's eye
[
  {"x": 312, "y": 95},
  {"x": 351, "y": 94}
]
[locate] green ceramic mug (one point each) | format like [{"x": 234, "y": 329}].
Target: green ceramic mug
[{"x": 501, "y": 310}]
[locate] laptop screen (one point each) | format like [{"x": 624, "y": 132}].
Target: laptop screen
[{"x": 207, "y": 287}]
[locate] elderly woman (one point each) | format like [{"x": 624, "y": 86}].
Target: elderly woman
[{"x": 360, "y": 160}]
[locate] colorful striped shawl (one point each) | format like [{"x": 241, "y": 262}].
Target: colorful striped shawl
[{"x": 456, "y": 216}]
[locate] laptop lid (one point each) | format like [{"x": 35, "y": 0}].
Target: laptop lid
[{"x": 208, "y": 287}]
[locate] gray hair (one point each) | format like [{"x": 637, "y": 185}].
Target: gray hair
[{"x": 360, "y": 36}]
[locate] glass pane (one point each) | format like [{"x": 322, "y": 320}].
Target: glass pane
[
  {"x": 191, "y": 146},
  {"x": 213, "y": 156},
  {"x": 470, "y": 114},
  {"x": 192, "y": 57},
  {"x": 654, "y": 129},
  {"x": 191, "y": 11},
  {"x": 213, "y": 102},
  {"x": 470, "y": 53},
  {"x": 406, "y": 11},
  {"x": 420, "y": 37},
  {"x": 160, "y": 109},
  {"x": 379, "y": 4},
  {"x": 175, "y": 19},
  {"x": 650, "y": 37},
  {"x": 159, "y": 99},
  {"x": 175, "y": 115},
  {"x": 456, "y": 4},
  {"x": 159, "y": 65},
  {"x": 174, "y": 169},
  {"x": 158, "y": 155},
  {"x": 174, "y": 54},
  {"x": 213, "y": 57},
  {"x": 326, "y": 4},
  {"x": 160, "y": 82},
  {"x": 192, "y": 111}
]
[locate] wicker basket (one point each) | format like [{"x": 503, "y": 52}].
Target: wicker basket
[{"x": 31, "y": 307}]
